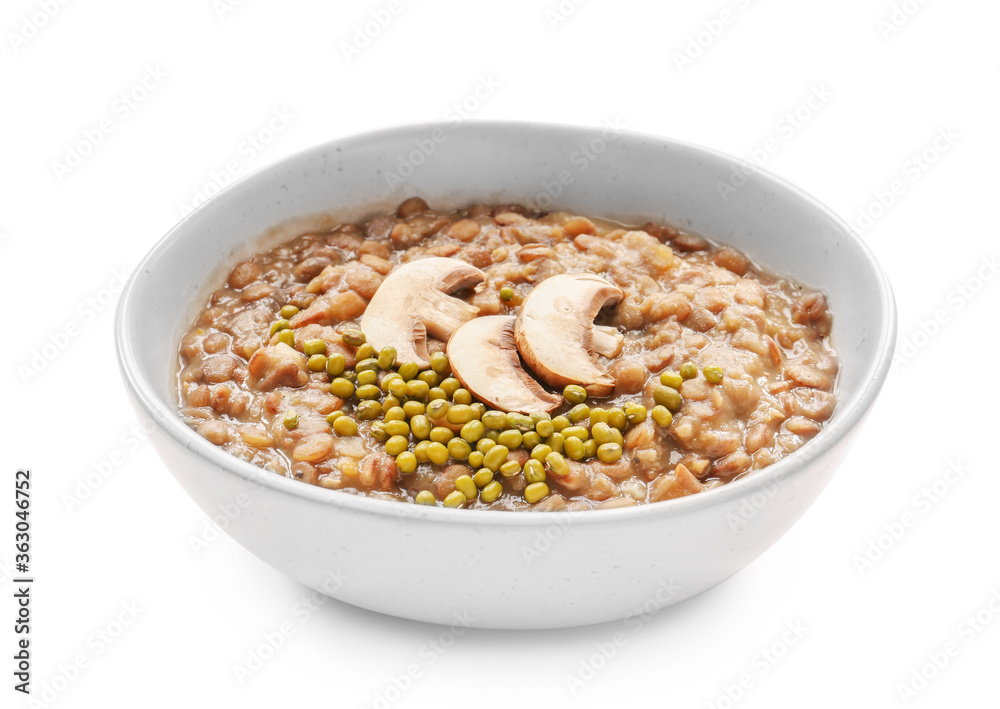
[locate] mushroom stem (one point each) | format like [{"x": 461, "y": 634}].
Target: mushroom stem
[
  {"x": 607, "y": 341},
  {"x": 413, "y": 301},
  {"x": 556, "y": 335}
]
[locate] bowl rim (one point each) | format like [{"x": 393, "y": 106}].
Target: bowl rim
[{"x": 847, "y": 415}]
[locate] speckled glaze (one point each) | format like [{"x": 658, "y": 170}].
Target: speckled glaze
[{"x": 502, "y": 569}]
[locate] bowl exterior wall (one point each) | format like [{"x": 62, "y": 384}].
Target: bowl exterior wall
[
  {"x": 553, "y": 575},
  {"x": 506, "y": 570}
]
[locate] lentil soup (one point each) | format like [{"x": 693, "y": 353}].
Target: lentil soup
[{"x": 496, "y": 358}]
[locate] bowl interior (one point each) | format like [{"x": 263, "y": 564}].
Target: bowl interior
[{"x": 593, "y": 171}]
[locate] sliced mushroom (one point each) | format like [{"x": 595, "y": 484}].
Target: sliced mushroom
[
  {"x": 413, "y": 300},
  {"x": 483, "y": 357},
  {"x": 555, "y": 330}
]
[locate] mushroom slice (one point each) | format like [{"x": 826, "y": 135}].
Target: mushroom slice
[
  {"x": 607, "y": 341},
  {"x": 555, "y": 330},
  {"x": 413, "y": 300},
  {"x": 483, "y": 356}
]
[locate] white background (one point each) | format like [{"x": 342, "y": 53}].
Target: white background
[{"x": 904, "y": 109}]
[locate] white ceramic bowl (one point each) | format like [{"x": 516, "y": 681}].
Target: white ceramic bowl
[{"x": 502, "y": 569}]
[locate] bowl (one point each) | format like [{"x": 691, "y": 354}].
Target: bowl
[{"x": 489, "y": 568}]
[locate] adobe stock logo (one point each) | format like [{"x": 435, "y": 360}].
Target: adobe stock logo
[
  {"x": 62, "y": 336},
  {"x": 366, "y": 33},
  {"x": 122, "y": 108},
  {"x": 893, "y": 531},
  {"x": 33, "y": 23},
  {"x": 711, "y": 30}
]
